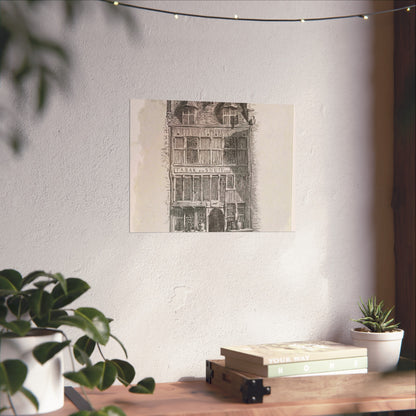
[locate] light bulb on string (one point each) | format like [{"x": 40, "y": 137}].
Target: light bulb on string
[{"x": 249, "y": 19}]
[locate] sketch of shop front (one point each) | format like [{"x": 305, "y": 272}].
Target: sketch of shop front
[{"x": 210, "y": 166}]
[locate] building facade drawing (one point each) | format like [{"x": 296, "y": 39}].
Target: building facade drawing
[{"x": 210, "y": 166}]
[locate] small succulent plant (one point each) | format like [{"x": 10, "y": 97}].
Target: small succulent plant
[{"x": 375, "y": 318}]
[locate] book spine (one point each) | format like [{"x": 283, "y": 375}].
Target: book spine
[{"x": 313, "y": 367}]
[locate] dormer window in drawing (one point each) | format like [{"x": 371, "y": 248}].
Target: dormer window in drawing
[
  {"x": 230, "y": 114},
  {"x": 189, "y": 113}
]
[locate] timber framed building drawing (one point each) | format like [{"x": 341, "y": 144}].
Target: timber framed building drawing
[{"x": 210, "y": 166}]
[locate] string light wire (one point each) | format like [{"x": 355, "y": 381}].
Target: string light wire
[{"x": 364, "y": 16}]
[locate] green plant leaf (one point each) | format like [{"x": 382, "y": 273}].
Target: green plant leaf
[
  {"x": 45, "y": 351},
  {"x": 19, "y": 327},
  {"x": 125, "y": 371},
  {"x": 54, "y": 277},
  {"x": 105, "y": 411},
  {"x": 55, "y": 316},
  {"x": 145, "y": 386},
  {"x": 108, "y": 374},
  {"x": 88, "y": 376},
  {"x": 18, "y": 305},
  {"x": 40, "y": 304},
  {"x": 13, "y": 276},
  {"x": 12, "y": 375},
  {"x": 3, "y": 312},
  {"x": 6, "y": 287},
  {"x": 75, "y": 288},
  {"x": 98, "y": 328},
  {"x": 110, "y": 411},
  {"x": 83, "y": 349},
  {"x": 31, "y": 277},
  {"x": 30, "y": 396}
]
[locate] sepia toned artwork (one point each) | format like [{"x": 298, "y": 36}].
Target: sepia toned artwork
[{"x": 204, "y": 166}]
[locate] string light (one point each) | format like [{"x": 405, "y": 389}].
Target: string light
[{"x": 249, "y": 19}]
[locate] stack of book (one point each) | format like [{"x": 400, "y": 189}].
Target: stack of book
[{"x": 296, "y": 359}]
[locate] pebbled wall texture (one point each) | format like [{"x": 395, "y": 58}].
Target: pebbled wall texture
[{"x": 177, "y": 298}]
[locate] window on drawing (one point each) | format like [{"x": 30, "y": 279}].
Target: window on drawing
[
  {"x": 179, "y": 151},
  {"x": 214, "y": 188},
  {"x": 178, "y": 189},
  {"x": 217, "y": 150},
  {"x": 188, "y": 115},
  {"x": 206, "y": 191},
  {"x": 230, "y": 182},
  {"x": 229, "y": 116},
  {"x": 204, "y": 153},
  {"x": 192, "y": 150},
  {"x": 187, "y": 188},
  {"x": 230, "y": 151},
  {"x": 197, "y": 188}
]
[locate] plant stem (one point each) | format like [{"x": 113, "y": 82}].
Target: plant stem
[
  {"x": 73, "y": 369},
  {"x": 101, "y": 353},
  {"x": 11, "y": 404}
]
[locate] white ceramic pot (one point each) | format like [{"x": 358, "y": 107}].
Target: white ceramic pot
[
  {"x": 383, "y": 348},
  {"x": 44, "y": 381}
]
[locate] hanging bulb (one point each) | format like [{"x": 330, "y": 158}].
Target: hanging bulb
[
  {"x": 235, "y": 16},
  {"x": 176, "y": 16},
  {"x": 115, "y": 3},
  {"x": 302, "y": 20}
]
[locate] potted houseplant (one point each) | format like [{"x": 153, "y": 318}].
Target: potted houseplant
[
  {"x": 380, "y": 335},
  {"x": 34, "y": 311}
]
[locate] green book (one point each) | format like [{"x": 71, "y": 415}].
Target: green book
[{"x": 299, "y": 368}]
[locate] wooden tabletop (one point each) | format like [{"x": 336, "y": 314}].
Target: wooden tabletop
[{"x": 198, "y": 398}]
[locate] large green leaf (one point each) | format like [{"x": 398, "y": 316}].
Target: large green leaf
[
  {"x": 55, "y": 315},
  {"x": 83, "y": 349},
  {"x": 29, "y": 395},
  {"x": 75, "y": 288},
  {"x": 18, "y": 305},
  {"x": 45, "y": 351},
  {"x": 40, "y": 304},
  {"x": 12, "y": 375},
  {"x": 145, "y": 386},
  {"x": 88, "y": 376},
  {"x": 125, "y": 371},
  {"x": 7, "y": 287},
  {"x": 18, "y": 327},
  {"x": 13, "y": 276},
  {"x": 98, "y": 328},
  {"x": 108, "y": 374},
  {"x": 31, "y": 277},
  {"x": 92, "y": 322}
]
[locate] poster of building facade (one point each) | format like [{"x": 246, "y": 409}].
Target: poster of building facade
[{"x": 203, "y": 166}]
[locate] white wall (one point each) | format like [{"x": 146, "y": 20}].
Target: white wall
[{"x": 176, "y": 299}]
